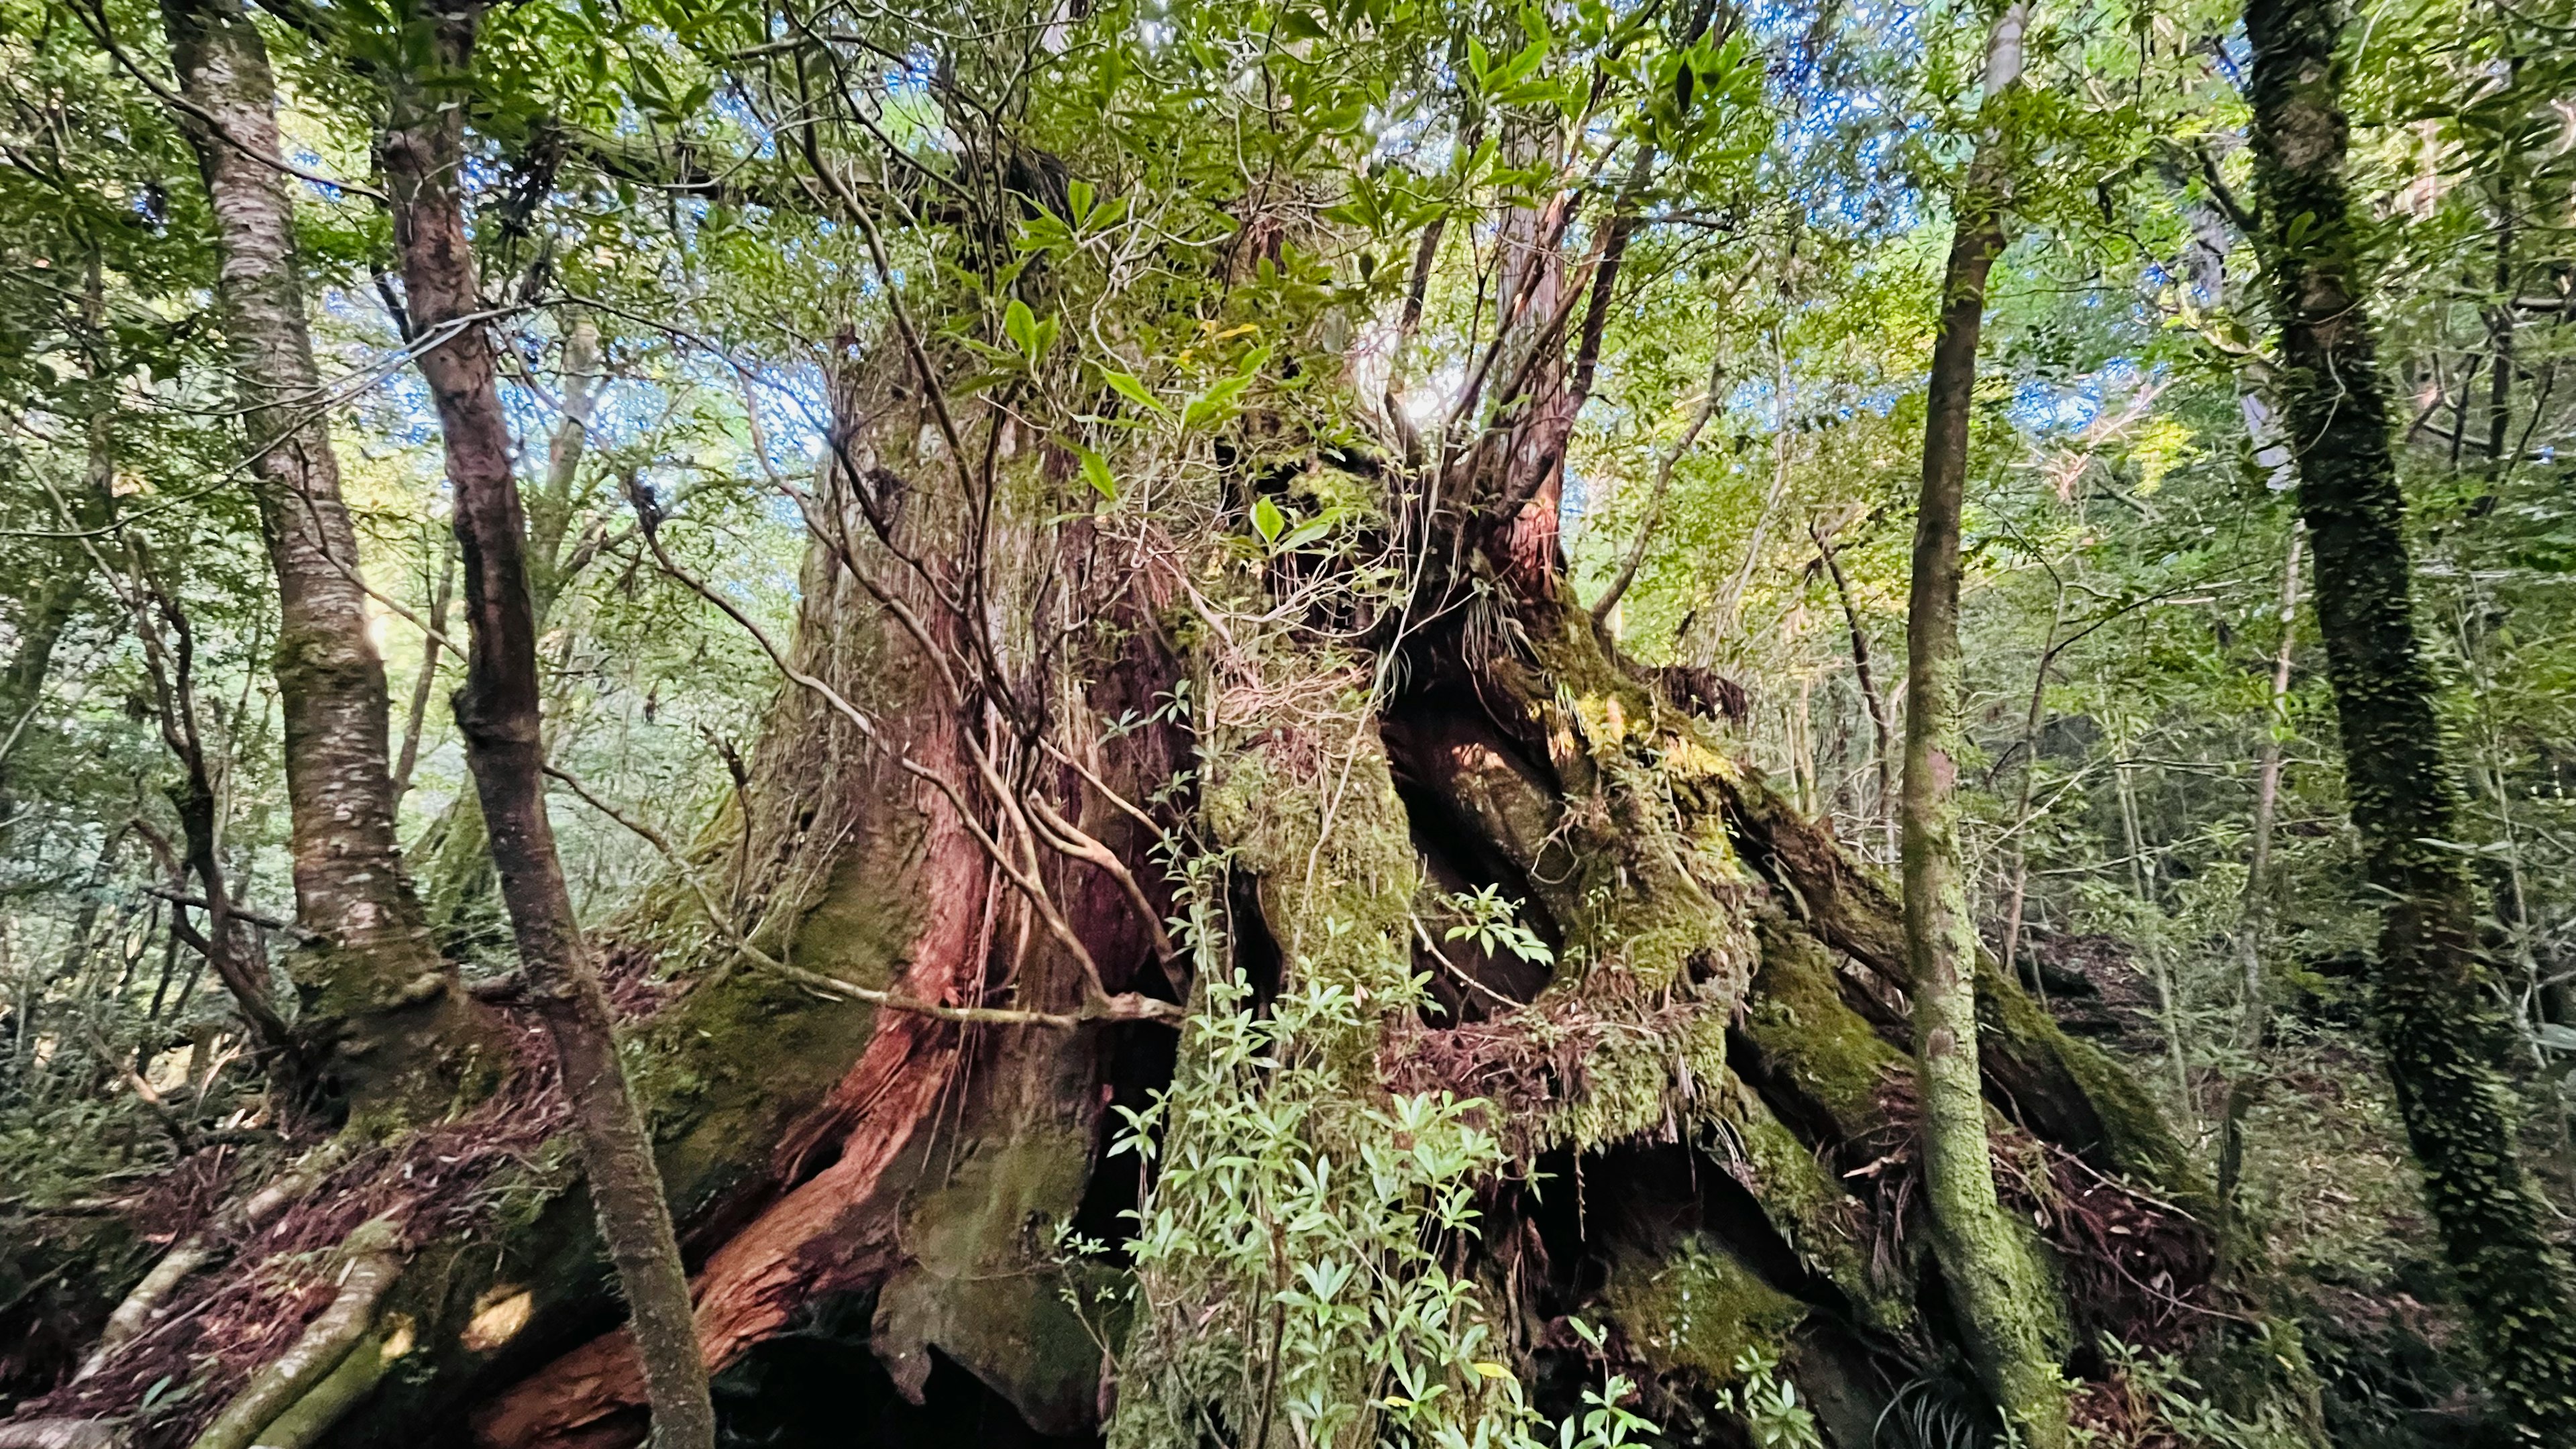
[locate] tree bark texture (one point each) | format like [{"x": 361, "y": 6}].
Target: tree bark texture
[
  {"x": 1714, "y": 1060},
  {"x": 876, "y": 1191},
  {"x": 398, "y": 1023},
  {"x": 2435, "y": 998},
  {"x": 1995, "y": 1280},
  {"x": 423, "y": 154}
]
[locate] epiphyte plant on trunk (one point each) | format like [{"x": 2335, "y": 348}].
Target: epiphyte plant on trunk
[{"x": 2433, "y": 990}]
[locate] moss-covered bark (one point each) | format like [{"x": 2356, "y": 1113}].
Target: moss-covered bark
[
  {"x": 399, "y": 1035},
  {"x": 2433, "y": 994},
  {"x": 1996, "y": 1282}
]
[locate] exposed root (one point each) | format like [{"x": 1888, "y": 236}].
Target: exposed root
[
  {"x": 311, "y": 1416},
  {"x": 143, "y": 1305},
  {"x": 217, "y": 1328},
  {"x": 369, "y": 1266},
  {"x": 62, "y": 1434}
]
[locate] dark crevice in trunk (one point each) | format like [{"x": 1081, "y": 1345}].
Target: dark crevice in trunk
[
  {"x": 820, "y": 1385},
  {"x": 1581, "y": 1224},
  {"x": 1256, "y": 950},
  {"x": 1137, "y": 1061},
  {"x": 1429, "y": 735}
]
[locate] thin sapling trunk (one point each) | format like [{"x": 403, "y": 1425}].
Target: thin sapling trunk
[
  {"x": 1994, "y": 1279},
  {"x": 497, "y": 714}
]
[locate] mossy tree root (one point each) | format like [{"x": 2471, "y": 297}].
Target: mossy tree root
[
  {"x": 369, "y": 1266},
  {"x": 135, "y": 1313},
  {"x": 356, "y": 1376}
]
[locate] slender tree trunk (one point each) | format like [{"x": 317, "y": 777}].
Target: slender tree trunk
[
  {"x": 1885, "y": 756},
  {"x": 2020, "y": 894},
  {"x": 171, "y": 667},
  {"x": 375, "y": 981},
  {"x": 51, "y": 601},
  {"x": 1994, "y": 1281},
  {"x": 497, "y": 713},
  {"x": 417, "y": 716},
  {"x": 2151, "y": 920},
  {"x": 455, "y": 874},
  {"x": 43, "y": 615},
  {"x": 1730, "y": 599},
  {"x": 1664, "y": 466},
  {"x": 551, "y": 512},
  {"x": 2500, "y": 459},
  {"x": 2254, "y": 1005},
  {"x": 2436, "y": 1009},
  {"x": 2267, "y": 798}
]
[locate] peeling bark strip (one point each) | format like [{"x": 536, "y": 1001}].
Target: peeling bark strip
[
  {"x": 497, "y": 713},
  {"x": 376, "y": 980},
  {"x": 2435, "y": 1001},
  {"x": 1994, "y": 1278}
]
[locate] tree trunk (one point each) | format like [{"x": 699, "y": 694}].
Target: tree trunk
[
  {"x": 1995, "y": 1281},
  {"x": 398, "y": 1029},
  {"x": 2256, "y": 910},
  {"x": 884, "y": 1083},
  {"x": 2435, "y": 996},
  {"x": 42, "y": 615},
  {"x": 1882, "y": 741},
  {"x": 497, "y": 713},
  {"x": 425, "y": 683}
]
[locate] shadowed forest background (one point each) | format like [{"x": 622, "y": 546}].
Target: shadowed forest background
[{"x": 1287, "y": 723}]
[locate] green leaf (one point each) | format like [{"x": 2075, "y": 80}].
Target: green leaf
[
  {"x": 1095, "y": 471},
  {"x": 1134, "y": 391},
  {"x": 1021, "y": 326},
  {"x": 1267, "y": 520},
  {"x": 1307, "y": 532}
]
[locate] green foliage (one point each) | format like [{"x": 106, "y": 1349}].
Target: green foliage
[
  {"x": 1292, "y": 1249},
  {"x": 1494, "y": 923},
  {"x": 1770, "y": 1405},
  {"x": 1290, "y": 1254},
  {"x": 2159, "y": 1403},
  {"x": 1203, "y": 230}
]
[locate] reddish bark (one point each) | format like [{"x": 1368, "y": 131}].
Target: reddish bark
[{"x": 834, "y": 1231}]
